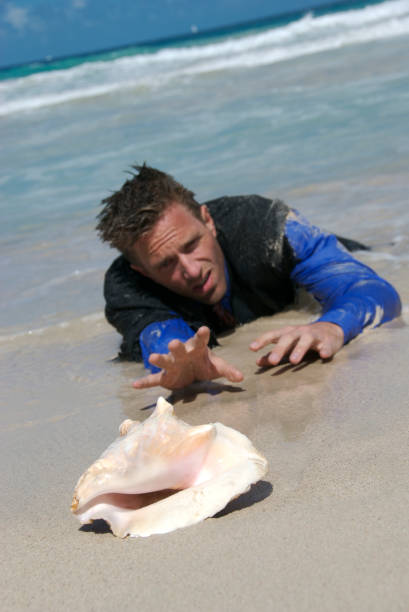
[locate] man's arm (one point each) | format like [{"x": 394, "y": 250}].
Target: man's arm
[{"x": 351, "y": 294}]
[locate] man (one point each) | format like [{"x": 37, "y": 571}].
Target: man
[{"x": 189, "y": 272}]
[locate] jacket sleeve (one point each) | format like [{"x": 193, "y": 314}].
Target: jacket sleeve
[
  {"x": 351, "y": 294},
  {"x": 156, "y": 337}
]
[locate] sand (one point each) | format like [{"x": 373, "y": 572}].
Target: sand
[{"x": 327, "y": 529}]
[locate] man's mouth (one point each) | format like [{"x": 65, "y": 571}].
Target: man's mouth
[{"x": 204, "y": 286}]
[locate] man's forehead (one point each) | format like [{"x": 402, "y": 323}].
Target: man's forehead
[
  {"x": 175, "y": 224},
  {"x": 175, "y": 216}
]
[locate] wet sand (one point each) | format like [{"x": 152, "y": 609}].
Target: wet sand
[{"x": 327, "y": 529}]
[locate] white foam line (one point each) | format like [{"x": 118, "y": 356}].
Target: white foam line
[
  {"x": 53, "y": 99},
  {"x": 56, "y": 281},
  {"x": 251, "y": 60},
  {"x": 94, "y": 317}
]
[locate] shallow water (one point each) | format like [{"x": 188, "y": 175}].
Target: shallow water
[{"x": 314, "y": 111}]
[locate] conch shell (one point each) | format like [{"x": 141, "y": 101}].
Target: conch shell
[{"x": 163, "y": 474}]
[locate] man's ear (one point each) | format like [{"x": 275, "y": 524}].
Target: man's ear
[{"x": 207, "y": 219}]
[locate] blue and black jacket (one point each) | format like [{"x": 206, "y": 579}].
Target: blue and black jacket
[{"x": 269, "y": 251}]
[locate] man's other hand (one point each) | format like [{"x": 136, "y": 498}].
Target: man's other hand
[
  {"x": 186, "y": 363},
  {"x": 295, "y": 340}
]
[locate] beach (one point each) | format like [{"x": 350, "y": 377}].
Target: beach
[
  {"x": 325, "y": 130},
  {"x": 327, "y": 528}
]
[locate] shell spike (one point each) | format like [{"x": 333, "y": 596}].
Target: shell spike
[
  {"x": 163, "y": 407},
  {"x": 125, "y": 426}
]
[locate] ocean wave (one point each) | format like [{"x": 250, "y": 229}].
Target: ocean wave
[
  {"x": 56, "y": 281},
  {"x": 80, "y": 327},
  {"x": 308, "y": 35}
]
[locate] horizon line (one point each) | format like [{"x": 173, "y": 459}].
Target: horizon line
[{"x": 282, "y": 16}]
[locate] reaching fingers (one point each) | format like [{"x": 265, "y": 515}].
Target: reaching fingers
[
  {"x": 269, "y": 338},
  {"x": 282, "y": 348},
  {"x": 199, "y": 341},
  {"x": 234, "y": 375},
  {"x": 326, "y": 349},
  {"x": 326, "y": 352},
  {"x": 152, "y": 380},
  {"x": 296, "y": 341},
  {"x": 177, "y": 349},
  {"x": 329, "y": 338},
  {"x": 226, "y": 369},
  {"x": 202, "y": 336},
  {"x": 162, "y": 361},
  {"x": 304, "y": 344},
  {"x": 231, "y": 373}
]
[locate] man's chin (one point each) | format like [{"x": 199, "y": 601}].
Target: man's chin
[
  {"x": 213, "y": 297},
  {"x": 209, "y": 301},
  {"x": 210, "y": 298}
]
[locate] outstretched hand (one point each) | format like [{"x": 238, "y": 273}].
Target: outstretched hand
[
  {"x": 295, "y": 340},
  {"x": 186, "y": 363}
]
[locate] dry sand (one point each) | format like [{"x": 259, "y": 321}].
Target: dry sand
[{"x": 326, "y": 530}]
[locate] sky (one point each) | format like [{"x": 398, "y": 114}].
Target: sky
[{"x": 36, "y": 29}]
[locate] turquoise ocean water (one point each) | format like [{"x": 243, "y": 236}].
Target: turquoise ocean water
[{"x": 314, "y": 109}]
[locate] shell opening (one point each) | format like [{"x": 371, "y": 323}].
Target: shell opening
[{"x": 126, "y": 501}]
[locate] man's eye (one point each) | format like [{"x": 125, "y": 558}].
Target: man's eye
[{"x": 191, "y": 245}]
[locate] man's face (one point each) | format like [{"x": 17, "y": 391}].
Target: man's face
[{"x": 181, "y": 253}]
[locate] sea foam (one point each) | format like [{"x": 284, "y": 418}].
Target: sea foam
[{"x": 309, "y": 35}]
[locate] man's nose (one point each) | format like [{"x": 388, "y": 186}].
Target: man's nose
[{"x": 190, "y": 267}]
